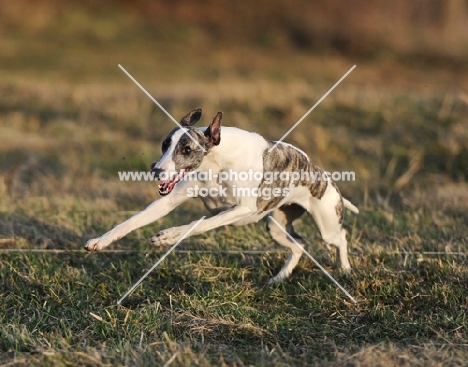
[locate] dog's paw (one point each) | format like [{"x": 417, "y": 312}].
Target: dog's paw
[
  {"x": 94, "y": 244},
  {"x": 345, "y": 271},
  {"x": 271, "y": 281},
  {"x": 276, "y": 279},
  {"x": 166, "y": 237}
]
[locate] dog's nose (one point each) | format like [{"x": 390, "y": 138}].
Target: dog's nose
[
  {"x": 156, "y": 171},
  {"x": 152, "y": 165}
]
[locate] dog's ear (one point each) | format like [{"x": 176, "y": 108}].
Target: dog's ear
[
  {"x": 191, "y": 118},
  {"x": 213, "y": 132}
]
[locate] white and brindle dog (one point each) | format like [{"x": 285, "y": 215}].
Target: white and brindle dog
[{"x": 228, "y": 149}]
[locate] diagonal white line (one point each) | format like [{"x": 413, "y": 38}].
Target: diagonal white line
[
  {"x": 161, "y": 107},
  {"x": 315, "y": 261},
  {"x": 315, "y": 105},
  {"x": 160, "y": 260}
]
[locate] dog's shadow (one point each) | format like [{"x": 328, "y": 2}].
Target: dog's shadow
[{"x": 19, "y": 230}]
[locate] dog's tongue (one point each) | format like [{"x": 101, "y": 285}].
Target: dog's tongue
[{"x": 166, "y": 186}]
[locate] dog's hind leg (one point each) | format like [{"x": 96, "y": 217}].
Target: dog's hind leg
[
  {"x": 285, "y": 215},
  {"x": 328, "y": 216}
]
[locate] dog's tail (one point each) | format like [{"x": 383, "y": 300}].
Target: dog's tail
[{"x": 347, "y": 204}]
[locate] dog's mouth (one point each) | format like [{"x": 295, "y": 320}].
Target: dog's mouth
[{"x": 166, "y": 186}]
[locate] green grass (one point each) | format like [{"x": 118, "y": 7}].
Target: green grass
[
  {"x": 70, "y": 120},
  {"x": 210, "y": 308}
]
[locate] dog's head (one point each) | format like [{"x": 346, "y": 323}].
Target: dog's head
[{"x": 184, "y": 149}]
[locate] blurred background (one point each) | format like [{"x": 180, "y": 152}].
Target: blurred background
[{"x": 70, "y": 119}]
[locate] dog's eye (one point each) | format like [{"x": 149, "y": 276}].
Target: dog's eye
[
  {"x": 165, "y": 145},
  {"x": 186, "y": 150}
]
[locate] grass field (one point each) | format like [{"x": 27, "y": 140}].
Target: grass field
[{"x": 70, "y": 120}]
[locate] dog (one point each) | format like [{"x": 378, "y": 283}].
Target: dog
[{"x": 189, "y": 151}]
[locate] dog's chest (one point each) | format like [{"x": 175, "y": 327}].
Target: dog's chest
[{"x": 219, "y": 196}]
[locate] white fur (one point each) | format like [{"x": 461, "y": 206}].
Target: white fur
[{"x": 166, "y": 162}]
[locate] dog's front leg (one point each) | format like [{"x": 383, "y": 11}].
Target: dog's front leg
[
  {"x": 153, "y": 212},
  {"x": 172, "y": 235}
]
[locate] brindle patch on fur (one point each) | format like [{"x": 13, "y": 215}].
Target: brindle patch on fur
[
  {"x": 339, "y": 207},
  {"x": 316, "y": 186},
  {"x": 339, "y": 211},
  {"x": 278, "y": 160},
  {"x": 193, "y": 159},
  {"x": 287, "y": 159}
]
